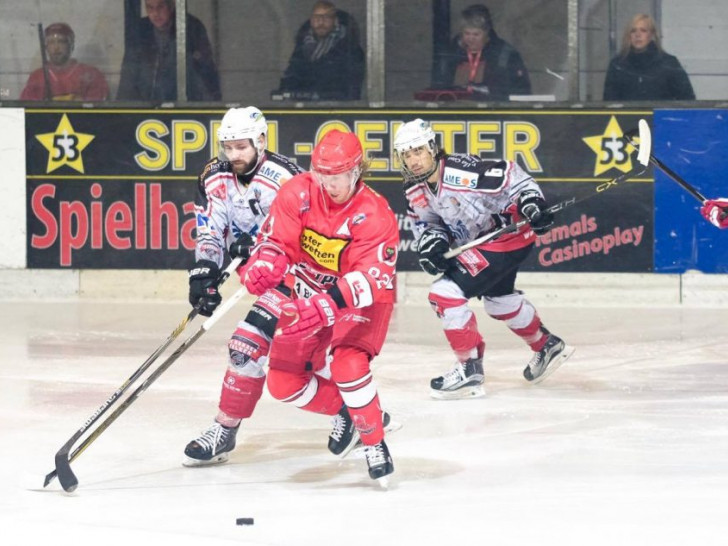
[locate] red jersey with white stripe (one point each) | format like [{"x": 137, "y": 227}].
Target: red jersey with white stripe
[
  {"x": 230, "y": 204},
  {"x": 473, "y": 196},
  {"x": 76, "y": 81},
  {"x": 356, "y": 241}
]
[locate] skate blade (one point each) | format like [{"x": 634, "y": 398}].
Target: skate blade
[
  {"x": 219, "y": 459},
  {"x": 476, "y": 391},
  {"x": 383, "y": 482},
  {"x": 555, "y": 363}
]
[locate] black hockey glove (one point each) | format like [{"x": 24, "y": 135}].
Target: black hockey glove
[
  {"x": 533, "y": 208},
  {"x": 240, "y": 248},
  {"x": 204, "y": 276},
  {"x": 431, "y": 247}
]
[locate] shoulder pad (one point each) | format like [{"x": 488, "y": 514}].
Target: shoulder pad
[{"x": 284, "y": 162}]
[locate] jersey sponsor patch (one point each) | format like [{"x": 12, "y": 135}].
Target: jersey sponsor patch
[
  {"x": 460, "y": 179},
  {"x": 473, "y": 261},
  {"x": 324, "y": 251}
]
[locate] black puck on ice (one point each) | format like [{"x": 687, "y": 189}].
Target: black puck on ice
[{"x": 244, "y": 521}]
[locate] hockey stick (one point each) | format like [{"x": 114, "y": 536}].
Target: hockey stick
[
  {"x": 669, "y": 172},
  {"x": 44, "y": 61},
  {"x": 62, "y": 454},
  {"x": 643, "y": 159}
]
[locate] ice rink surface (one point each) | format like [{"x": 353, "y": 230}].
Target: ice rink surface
[{"x": 626, "y": 444}]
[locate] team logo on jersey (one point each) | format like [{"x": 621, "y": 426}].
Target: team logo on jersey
[
  {"x": 344, "y": 229},
  {"x": 460, "y": 179},
  {"x": 325, "y": 251},
  {"x": 358, "y": 219},
  {"x": 64, "y": 146},
  {"x": 610, "y": 149}
]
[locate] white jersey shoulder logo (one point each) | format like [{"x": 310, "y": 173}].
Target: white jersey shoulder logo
[{"x": 460, "y": 179}]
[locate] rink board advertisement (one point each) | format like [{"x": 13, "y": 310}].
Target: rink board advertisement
[
  {"x": 114, "y": 189},
  {"x": 692, "y": 143}
]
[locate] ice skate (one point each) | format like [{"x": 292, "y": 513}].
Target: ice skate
[
  {"x": 463, "y": 381},
  {"x": 344, "y": 435},
  {"x": 380, "y": 462},
  {"x": 212, "y": 447},
  {"x": 547, "y": 360},
  {"x": 388, "y": 424}
]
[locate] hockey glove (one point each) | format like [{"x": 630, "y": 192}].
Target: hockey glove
[
  {"x": 533, "y": 208},
  {"x": 240, "y": 248},
  {"x": 431, "y": 247},
  {"x": 303, "y": 318},
  {"x": 204, "y": 277},
  {"x": 266, "y": 271},
  {"x": 715, "y": 211}
]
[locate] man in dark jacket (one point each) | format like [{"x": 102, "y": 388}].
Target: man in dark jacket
[
  {"x": 149, "y": 69},
  {"x": 327, "y": 62},
  {"x": 480, "y": 62}
]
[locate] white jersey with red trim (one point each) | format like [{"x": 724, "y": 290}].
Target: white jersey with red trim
[
  {"x": 473, "y": 196},
  {"x": 353, "y": 245},
  {"x": 229, "y": 205}
]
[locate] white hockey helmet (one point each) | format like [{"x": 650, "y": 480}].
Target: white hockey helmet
[
  {"x": 411, "y": 135},
  {"x": 242, "y": 123}
]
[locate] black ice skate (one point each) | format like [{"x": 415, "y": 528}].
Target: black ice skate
[
  {"x": 547, "y": 360},
  {"x": 387, "y": 424},
  {"x": 463, "y": 381},
  {"x": 379, "y": 461},
  {"x": 212, "y": 447},
  {"x": 344, "y": 435}
]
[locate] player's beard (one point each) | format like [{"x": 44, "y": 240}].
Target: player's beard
[{"x": 244, "y": 167}]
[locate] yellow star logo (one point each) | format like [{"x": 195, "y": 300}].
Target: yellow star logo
[
  {"x": 64, "y": 146},
  {"x": 610, "y": 149}
]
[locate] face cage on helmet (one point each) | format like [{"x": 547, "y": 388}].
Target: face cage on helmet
[
  {"x": 409, "y": 176},
  {"x": 354, "y": 175},
  {"x": 259, "y": 149}
]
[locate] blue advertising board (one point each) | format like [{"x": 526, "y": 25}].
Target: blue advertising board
[{"x": 694, "y": 144}]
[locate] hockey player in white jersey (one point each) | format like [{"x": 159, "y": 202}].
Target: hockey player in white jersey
[
  {"x": 454, "y": 199},
  {"x": 236, "y": 190}
]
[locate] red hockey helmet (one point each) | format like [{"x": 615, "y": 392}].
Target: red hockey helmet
[
  {"x": 336, "y": 153},
  {"x": 61, "y": 29}
]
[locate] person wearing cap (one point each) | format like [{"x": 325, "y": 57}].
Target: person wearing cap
[
  {"x": 481, "y": 62},
  {"x": 63, "y": 77},
  {"x": 340, "y": 238}
]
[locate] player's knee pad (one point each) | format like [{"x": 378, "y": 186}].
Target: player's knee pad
[
  {"x": 248, "y": 349},
  {"x": 240, "y": 394},
  {"x": 352, "y": 374},
  {"x": 266, "y": 310},
  {"x": 298, "y": 389},
  {"x": 515, "y": 310},
  {"x": 449, "y": 303}
]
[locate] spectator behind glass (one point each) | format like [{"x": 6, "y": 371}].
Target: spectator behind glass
[
  {"x": 642, "y": 70},
  {"x": 67, "y": 79},
  {"x": 149, "y": 70},
  {"x": 327, "y": 62},
  {"x": 481, "y": 62}
]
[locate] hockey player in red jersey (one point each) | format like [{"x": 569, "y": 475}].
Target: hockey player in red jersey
[
  {"x": 236, "y": 190},
  {"x": 454, "y": 199},
  {"x": 340, "y": 238},
  {"x": 64, "y": 78}
]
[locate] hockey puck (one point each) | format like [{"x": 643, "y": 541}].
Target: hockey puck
[{"x": 244, "y": 521}]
